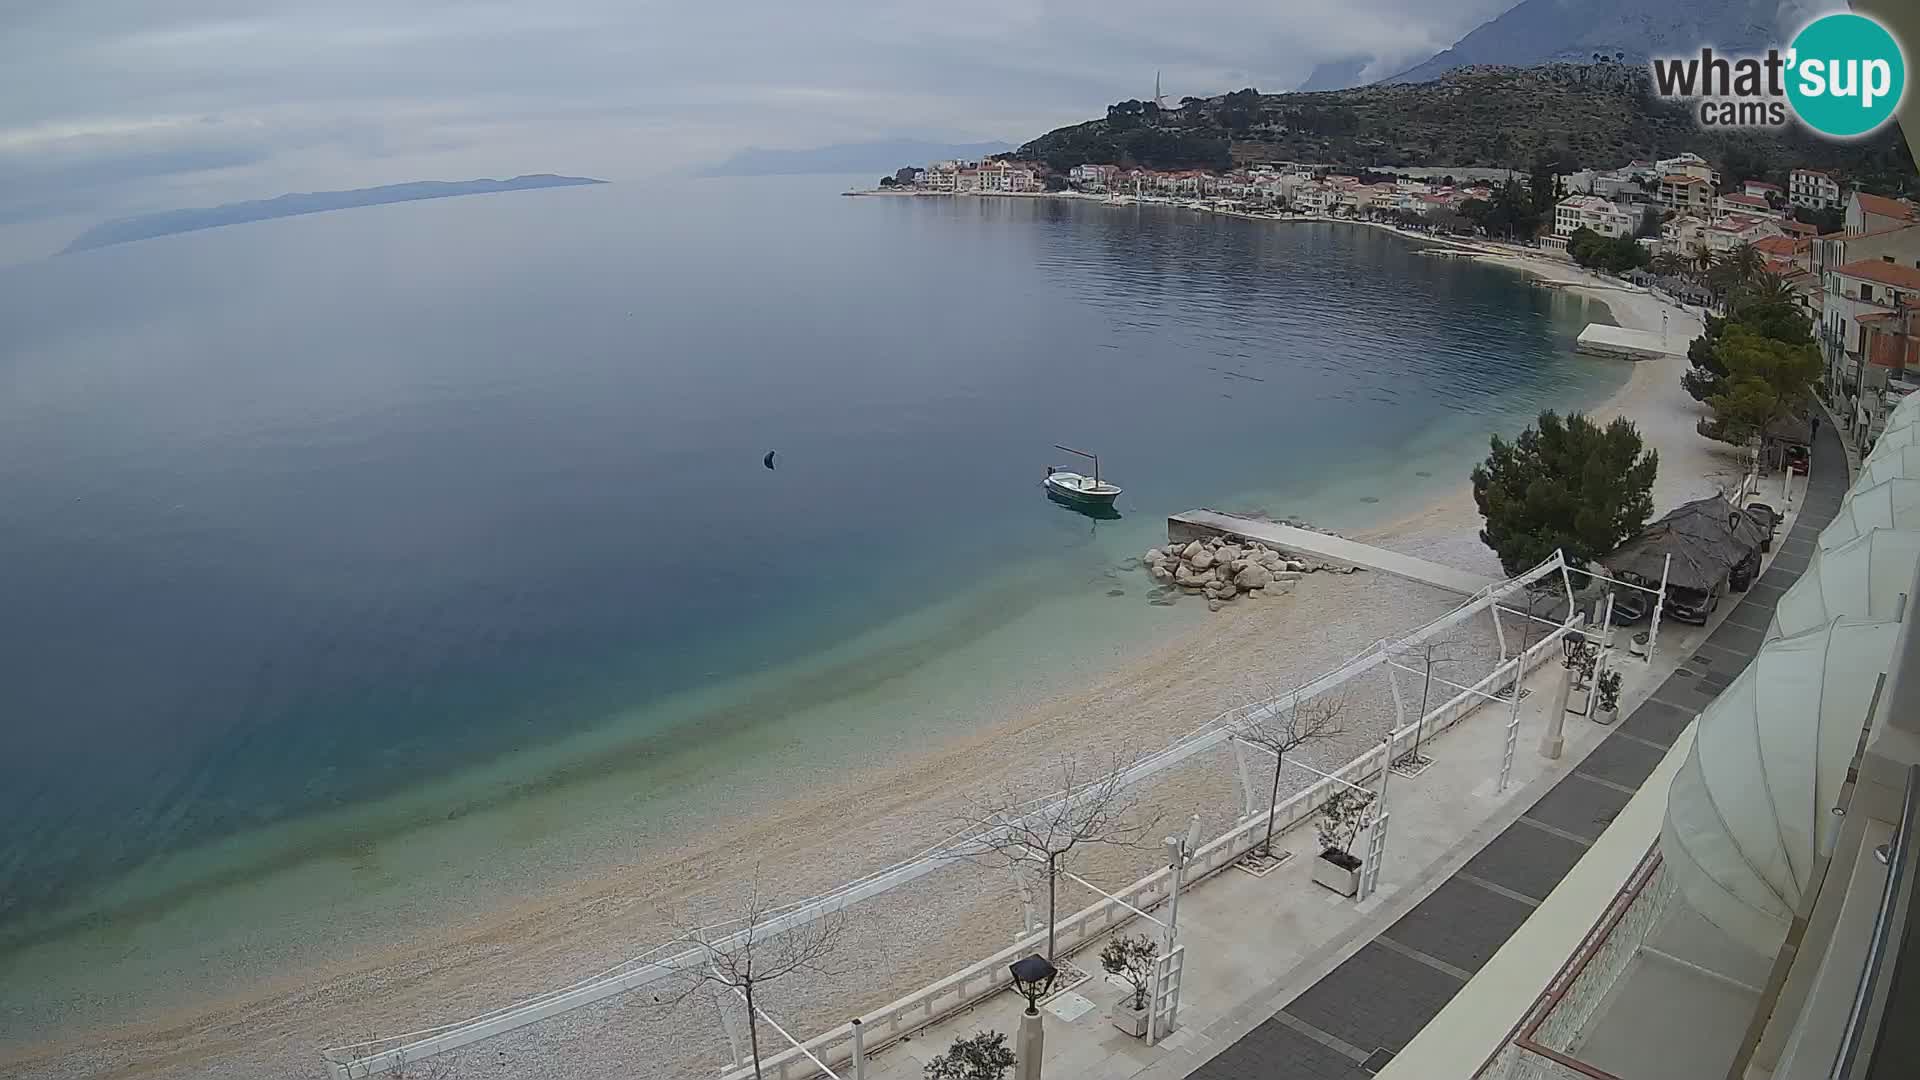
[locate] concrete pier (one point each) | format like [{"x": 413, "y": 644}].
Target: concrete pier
[
  {"x": 1618, "y": 341},
  {"x": 1321, "y": 547}
]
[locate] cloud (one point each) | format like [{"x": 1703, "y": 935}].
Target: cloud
[{"x": 114, "y": 104}]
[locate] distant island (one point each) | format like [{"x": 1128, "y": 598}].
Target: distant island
[
  {"x": 167, "y": 222},
  {"x": 866, "y": 157}
]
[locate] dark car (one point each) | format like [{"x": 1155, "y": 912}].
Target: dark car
[
  {"x": 1692, "y": 605},
  {"x": 1768, "y": 517},
  {"x": 1797, "y": 460},
  {"x": 1630, "y": 606}
]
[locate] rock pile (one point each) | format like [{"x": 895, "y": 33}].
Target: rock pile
[{"x": 1222, "y": 568}]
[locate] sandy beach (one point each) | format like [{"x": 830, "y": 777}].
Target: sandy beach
[{"x": 791, "y": 844}]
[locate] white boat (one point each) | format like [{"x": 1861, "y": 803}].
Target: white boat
[{"x": 1078, "y": 488}]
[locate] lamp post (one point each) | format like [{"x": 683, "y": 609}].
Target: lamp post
[
  {"x": 1032, "y": 978},
  {"x": 1179, "y": 850}
]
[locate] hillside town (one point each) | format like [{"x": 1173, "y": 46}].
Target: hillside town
[{"x": 1849, "y": 258}]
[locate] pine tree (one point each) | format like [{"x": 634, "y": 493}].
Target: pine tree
[{"x": 1569, "y": 485}]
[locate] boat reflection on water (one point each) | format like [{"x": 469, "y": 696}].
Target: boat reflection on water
[{"x": 1096, "y": 511}]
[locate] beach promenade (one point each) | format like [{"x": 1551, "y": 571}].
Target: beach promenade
[{"x": 1287, "y": 980}]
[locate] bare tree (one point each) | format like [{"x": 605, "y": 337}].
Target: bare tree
[
  {"x": 1431, "y": 653},
  {"x": 1084, "y": 811},
  {"x": 1281, "y": 731},
  {"x": 742, "y": 956}
]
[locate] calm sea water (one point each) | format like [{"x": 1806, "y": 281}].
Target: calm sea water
[{"x": 415, "y": 509}]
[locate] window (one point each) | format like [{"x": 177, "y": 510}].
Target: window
[
  {"x": 1886, "y": 258},
  {"x": 1866, "y": 291}
]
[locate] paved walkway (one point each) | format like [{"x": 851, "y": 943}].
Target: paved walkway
[
  {"x": 1350, "y": 1023},
  {"x": 1327, "y": 547}
]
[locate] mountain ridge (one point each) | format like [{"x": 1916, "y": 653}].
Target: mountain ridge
[
  {"x": 1536, "y": 32},
  {"x": 880, "y": 155},
  {"x": 171, "y": 222},
  {"x": 1573, "y": 115}
]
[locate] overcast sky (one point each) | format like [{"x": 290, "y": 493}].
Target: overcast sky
[{"x": 114, "y": 106}]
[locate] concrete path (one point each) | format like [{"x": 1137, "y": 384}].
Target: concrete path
[
  {"x": 1326, "y": 548},
  {"x": 1350, "y": 1023}
]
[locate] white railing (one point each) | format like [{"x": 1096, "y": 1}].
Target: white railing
[
  {"x": 941, "y": 999},
  {"x": 366, "y": 1059}
]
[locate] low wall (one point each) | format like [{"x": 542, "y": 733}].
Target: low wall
[{"x": 941, "y": 999}]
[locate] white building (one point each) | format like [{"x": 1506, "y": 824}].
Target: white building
[
  {"x": 1875, "y": 213},
  {"x": 1813, "y": 189},
  {"x": 1592, "y": 212},
  {"x": 1688, "y": 165},
  {"x": 1736, "y": 229}
]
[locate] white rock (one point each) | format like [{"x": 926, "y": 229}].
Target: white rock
[
  {"x": 1184, "y": 575},
  {"x": 1201, "y": 559},
  {"x": 1153, "y": 557},
  {"x": 1287, "y": 575},
  {"x": 1160, "y": 573},
  {"x": 1215, "y": 604},
  {"x": 1192, "y": 549},
  {"x": 1295, "y": 566},
  {"x": 1253, "y": 577}
]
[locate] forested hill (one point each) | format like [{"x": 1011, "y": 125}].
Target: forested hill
[{"x": 1579, "y": 115}]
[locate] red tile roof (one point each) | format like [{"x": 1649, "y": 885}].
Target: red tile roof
[
  {"x": 1760, "y": 184},
  {"x": 1881, "y": 206},
  {"x": 1681, "y": 178},
  {"x": 1799, "y": 227},
  {"x": 1779, "y": 245},
  {"x": 1886, "y": 273},
  {"x": 1754, "y": 201}
]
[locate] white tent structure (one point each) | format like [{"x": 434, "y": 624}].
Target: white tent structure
[
  {"x": 1749, "y": 811},
  {"x": 1892, "y": 463},
  {"x": 1890, "y": 504},
  {"x": 1865, "y": 576}
]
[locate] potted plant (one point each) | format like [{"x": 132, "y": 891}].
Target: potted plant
[
  {"x": 1339, "y": 826},
  {"x": 982, "y": 1055},
  {"x": 1608, "y": 708},
  {"x": 1131, "y": 959}
]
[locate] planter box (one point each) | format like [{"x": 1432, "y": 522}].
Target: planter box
[
  {"x": 1337, "y": 876},
  {"x": 1130, "y": 1020},
  {"x": 1605, "y": 716}
]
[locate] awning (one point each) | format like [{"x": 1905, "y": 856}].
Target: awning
[
  {"x": 1749, "y": 811},
  {"x": 1865, "y": 577},
  {"x": 1890, "y": 463},
  {"x": 1890, "y": 504},
  {"x": 1706, "y": 538}
]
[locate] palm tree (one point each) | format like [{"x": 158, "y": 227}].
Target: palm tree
[
  {"x": 1669, "y": 264},
  {"x": 1769, "y": 288},
  {"x": 1744, "y": 264}
]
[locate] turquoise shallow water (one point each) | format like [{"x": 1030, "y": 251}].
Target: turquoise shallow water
[{"x": 394, "y": 529}]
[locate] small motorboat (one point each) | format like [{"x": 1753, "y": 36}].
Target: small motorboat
[{"x": 1077, "y": 488}]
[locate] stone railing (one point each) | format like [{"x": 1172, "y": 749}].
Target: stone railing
[
  {"x": 1540, "y": 1047},
  {"x": 941, "y": 999}
]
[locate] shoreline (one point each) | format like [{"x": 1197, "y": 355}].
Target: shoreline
[{"x": 557, "y": 931}]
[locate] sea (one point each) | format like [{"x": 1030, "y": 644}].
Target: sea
[{"x": 355, "y": 564}]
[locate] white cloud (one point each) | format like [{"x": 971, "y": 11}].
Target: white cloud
[{"x": 244, "y": 98}]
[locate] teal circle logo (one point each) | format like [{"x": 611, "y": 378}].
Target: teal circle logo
[{"x": 1846, "y": 75}]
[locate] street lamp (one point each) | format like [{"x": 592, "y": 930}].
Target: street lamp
[{"x": 1032, "y": 978}]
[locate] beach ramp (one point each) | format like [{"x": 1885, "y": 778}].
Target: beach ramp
[{"x": 1323, "y": 547}]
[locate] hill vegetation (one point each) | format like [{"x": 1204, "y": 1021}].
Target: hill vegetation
[{"x": 1576, "y": 116}]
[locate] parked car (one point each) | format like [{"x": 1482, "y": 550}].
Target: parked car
[
  {"x": 1694, "y": 605},
  {"x": 1797, "y": 460},
  {"x": 1630, "y": 606},
  {"x": 1767, "y": 516}
]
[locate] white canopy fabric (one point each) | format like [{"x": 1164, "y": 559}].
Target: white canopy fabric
[
  {"x": 1890, "y": 504},
  {"x": 1888, "y": 463},
  {"x": 1864, "y": 576},
  {"x": 1748, "y": 812},
  {"x": 1896, "y": 438}
]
